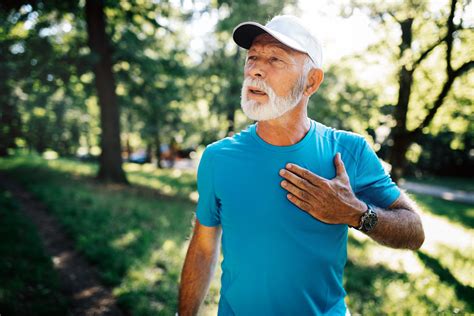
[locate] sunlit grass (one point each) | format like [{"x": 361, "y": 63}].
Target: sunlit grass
[
  {"x": 439, "y": 275},
  {"x": 172, "y": 182},
  {"x": 138, "y": 240}
]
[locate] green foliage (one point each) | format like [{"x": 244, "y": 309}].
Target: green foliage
[
  {"x": 429, "y": 61},
  {"x": 28, "y": 283},
  {"x": 47, "y": 100},
  {"x": 344, "y": 103},
  {"x": 445, "y": 154},
  {"x": 44, "y": 55}
]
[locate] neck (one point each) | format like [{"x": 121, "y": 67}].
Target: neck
[{"x": 287, "y": 129}]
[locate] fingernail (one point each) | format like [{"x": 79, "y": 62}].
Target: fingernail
[
  {"x": 282, "y": 172},
  {"x": 288, "y": 165},
  {"x": 283, "y": 183}
]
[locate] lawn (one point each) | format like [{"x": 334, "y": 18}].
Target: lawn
[
  {"x": 455, "y": 183},
  {"x": 28, "y": 283},
  {"x": 137, "y": 237}
]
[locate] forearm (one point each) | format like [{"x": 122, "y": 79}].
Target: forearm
[
  {"x": 197, "y": 274},
  {"x": 398, "y": 228}
]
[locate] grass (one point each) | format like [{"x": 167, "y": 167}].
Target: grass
[
  {"x": 456, "y": 183},
  {"x": 28, "y": 283},
  {"x": 455, "y": 212},
  {"x": 137, "y": 237}
]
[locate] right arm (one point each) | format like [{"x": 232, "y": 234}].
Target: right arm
[{"x": 199, "y": 267}]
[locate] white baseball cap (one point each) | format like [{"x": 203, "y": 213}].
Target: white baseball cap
[{"x": 288, "y": 30}]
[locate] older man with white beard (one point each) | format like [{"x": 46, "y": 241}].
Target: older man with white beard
[{"x": 283, "y": 192}]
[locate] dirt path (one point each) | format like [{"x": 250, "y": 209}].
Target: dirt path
[
  {"x": 79, "y": 280},
  {"x": 444, "y": 193}
]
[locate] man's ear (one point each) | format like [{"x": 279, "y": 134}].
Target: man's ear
[{"x": 315, "y": 78}]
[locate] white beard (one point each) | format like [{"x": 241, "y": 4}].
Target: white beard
[{"x": 276, "y": 105}]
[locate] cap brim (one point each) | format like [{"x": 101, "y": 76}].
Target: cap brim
[{"x": 245, "y": 33}]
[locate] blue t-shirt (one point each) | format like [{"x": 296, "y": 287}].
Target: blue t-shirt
[{"x": 279, "y": 260}]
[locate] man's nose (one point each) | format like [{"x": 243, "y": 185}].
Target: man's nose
[{"x": 256, "y": 70}]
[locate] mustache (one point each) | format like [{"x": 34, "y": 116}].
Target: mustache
[{"x": 258, "y": 83}]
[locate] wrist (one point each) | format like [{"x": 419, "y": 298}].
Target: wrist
[{"x": 359, "y": 209}]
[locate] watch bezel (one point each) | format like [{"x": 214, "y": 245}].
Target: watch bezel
[{"x": 368, "y": 220}]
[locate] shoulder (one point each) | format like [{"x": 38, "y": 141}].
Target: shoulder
[
  {"x": 342, "y": 140},
  {"x": 338, "y": 135},
  {"x": 234, "y": 142}
]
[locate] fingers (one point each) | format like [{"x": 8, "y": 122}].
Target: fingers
[
  {"x": 299, "y": 203},
  {"x": 296, "y": 180},
  {"x": 304, "y": 174},
  {"x": 294, "y": 190}
]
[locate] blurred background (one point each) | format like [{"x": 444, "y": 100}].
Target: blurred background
[{"x": 106, "y": 107}]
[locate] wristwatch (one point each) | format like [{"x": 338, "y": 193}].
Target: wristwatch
[{"x": 368, "y": 220}]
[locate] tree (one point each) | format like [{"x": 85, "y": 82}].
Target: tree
[
  {"x": 46, "y": 78},
  {"x": 151, "y": 69},
  {"x": 10, "y": 120},
  {"x": 110, "y": 168},
  {"x": 410, "y": 18}
]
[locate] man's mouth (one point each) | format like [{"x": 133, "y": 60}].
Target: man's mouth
[{"x": 256, "y": 91}]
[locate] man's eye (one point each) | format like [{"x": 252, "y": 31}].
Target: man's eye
[
  {"x": 251, "y": 57},
  {"x": 275, "y": 59}
]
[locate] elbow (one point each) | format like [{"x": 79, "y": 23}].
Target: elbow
[
  {"x": 418, "y": 242},
  {"x": 418, "y": 237},
  {"x": 414, "y": 238}
]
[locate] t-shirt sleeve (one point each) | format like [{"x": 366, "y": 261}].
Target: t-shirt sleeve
[
  {"x": 373, "y": 183},
  {"x": 207, "y": 210}
]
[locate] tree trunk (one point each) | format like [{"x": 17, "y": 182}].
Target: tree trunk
[
  {"x": 397, "y": 158},
  {"x": 158, "y": 151},
  {"x": 399, "y": 132},
  {"x": 402, "y": 138},
  {"x": 128, "y": 147},
  {"x": 59, "y": 144},
  {"x": 234, "y": 91},
  {"x": 110, "y": 162},
  {"x": 148, "y": 152},
  {"x": 9, "y": 128},
  {"x": 128, "y": 132}
]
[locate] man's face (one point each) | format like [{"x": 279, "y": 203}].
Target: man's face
[{"x": 274, "y": 79}]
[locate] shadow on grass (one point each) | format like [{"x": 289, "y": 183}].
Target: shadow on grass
[
  {"x": 459, "y": 212},
  {"x": 362, "y": 284},
  {"x": 463, "y": 292},
  {"x": 133, "y": 235},
  {"x": 28, "y": 283},
  {"x": 376, "y": 289}
]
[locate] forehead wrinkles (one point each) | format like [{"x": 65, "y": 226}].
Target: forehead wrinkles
[
  {"x": 268, "y": 48},
  {"x": 260, "y": 45},
  {"x": 266, "y": 40},
  {"x": 266, "y": 44},
  {"x": 272, "y": 49}
]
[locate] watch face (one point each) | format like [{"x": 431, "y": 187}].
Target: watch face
[{"x": 370, "y": 221}]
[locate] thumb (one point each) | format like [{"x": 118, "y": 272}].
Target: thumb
[{"x": 339, "y": 164}]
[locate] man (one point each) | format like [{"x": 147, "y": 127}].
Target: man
[{"x": 284, "y": 191}]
